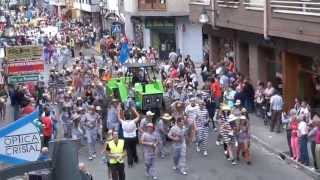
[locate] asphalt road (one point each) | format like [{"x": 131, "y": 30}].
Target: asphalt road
[{"x": 265, "y": 166}]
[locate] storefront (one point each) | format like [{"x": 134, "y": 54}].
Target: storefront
[{"x": 162, "y": 35}]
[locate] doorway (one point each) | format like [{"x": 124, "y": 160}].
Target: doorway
[{"x": 164, "y": 41}]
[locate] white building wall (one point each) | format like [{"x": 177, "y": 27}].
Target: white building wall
[
  {"x": 146, "y": 38},
  {"x": 130, "y": 5},
  {"x": 189, "y": 41},
  {"x": 113, "y": 5}
]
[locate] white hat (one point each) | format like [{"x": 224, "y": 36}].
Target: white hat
[
  {"x": 98, "y": 108},
  {"x": 238, "y": 102},
  {"x": 150, "y": 113}
]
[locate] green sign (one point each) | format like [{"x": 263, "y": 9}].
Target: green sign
[
  {"x": 23, "y": 78},
  {"x": 160, "y": 23}
]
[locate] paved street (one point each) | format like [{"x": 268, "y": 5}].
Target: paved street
[{"x": 265, "y": 166}]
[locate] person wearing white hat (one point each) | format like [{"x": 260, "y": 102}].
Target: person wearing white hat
[
  {"x": 202, "y": 129},
  {"x": 178, "y": 135},
  {"x": 91, "y": 124},
  {"x": 150, "y": 141},
  {"x": 66, "y": 120},
  {"x": 162, "y": 129},
  {"x": 148, "y": 119}
]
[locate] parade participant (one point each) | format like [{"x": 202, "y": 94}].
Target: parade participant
[
  {"x": 150, "y": 142},
  {"x": 91, "y": 124},
  {"x": 148, "y": 119},
  {"x": 227, "y": 135},
  {"x": 112, "y": 117},
  {"x": 66, "y": 122},
  {"x": 202, "y": 128},
  {"x": 162, "y": 129},
  {"x": 238, "y": 108},
  {"x": 116, "y": 152},
  {"x": 129, "y": 122},
  {"x": 77, "y": 132},
  {"x": 243, "y": 136},
  {"x": 191, "y": 112},
  {"x": 178, "y": 135},
  {"x": 177, "y": 110}
]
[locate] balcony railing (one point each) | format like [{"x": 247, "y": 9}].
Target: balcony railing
[
  {"x": 152, "y": 4},
  {"x": 229, "y": 3},
  {"x": 257, "y": 5},
  {"x": 297, "y": 7}
]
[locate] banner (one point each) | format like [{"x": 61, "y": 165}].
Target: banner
[
  {"x": 20, "y": 141},
  {"x": 28, "y": 67},
  {"x": 16, "y": 53}
]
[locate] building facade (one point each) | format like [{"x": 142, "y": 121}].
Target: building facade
[
  {"x": 87, "y": 12},
  {"x": 276, "y": 41},
  {"x": 163, "y": 25}
]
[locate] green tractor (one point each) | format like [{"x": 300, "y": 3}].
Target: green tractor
[{"x": 139, "y": 83}]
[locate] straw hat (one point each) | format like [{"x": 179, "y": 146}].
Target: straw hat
[
  {"x": 166, "y": 117},
  {"x": 149, "y": 113},
  {"x": 225, "y": 107}
]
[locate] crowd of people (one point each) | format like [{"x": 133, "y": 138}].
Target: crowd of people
[{"x": 75, "y": 97}]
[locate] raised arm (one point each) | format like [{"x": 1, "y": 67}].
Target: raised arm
[{"x": 137, "y": 119}]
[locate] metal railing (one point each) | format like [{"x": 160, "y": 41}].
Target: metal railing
[
  {"x": 229, "y": 3},
  {"x": 297, "y": 7}
]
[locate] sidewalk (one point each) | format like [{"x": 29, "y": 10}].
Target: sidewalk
[{"x": 276, "y": 144}]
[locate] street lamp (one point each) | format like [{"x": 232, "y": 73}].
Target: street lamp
[{"x": 204, "y": 18}]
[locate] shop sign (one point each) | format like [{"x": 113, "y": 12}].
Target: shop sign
[
  {"x": 23, "y": 78},
  {"x": 28, "y": 67},
  {"x": 20, "y": 141},
  {"x": 23, "y": 52},
  {"x": 160, "y": 23}
]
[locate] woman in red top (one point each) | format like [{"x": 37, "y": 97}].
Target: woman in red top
[
  {"x": 47, "y": 129},
  {"x": 294, "y": 138}
]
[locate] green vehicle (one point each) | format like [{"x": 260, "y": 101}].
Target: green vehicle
[{"x": 139, "y": 83}]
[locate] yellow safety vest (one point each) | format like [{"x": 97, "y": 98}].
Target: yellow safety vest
[{"x": 116, "y": 149}]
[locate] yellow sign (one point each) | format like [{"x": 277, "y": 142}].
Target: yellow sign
[{"x": 15, "y": 53}]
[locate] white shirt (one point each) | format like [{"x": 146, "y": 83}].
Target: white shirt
[
  {"x": 129, "y": 128},
  {"x": 276, "y": 103},
  {"x": 302, "y": 128}
]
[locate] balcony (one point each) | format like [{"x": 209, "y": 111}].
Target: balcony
[
  {"x": 292, "y": 19},
  {"x": 152, "y": 5},
  {"x": 244, "y": 15},
  {"x": 295, "y": 7}
]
